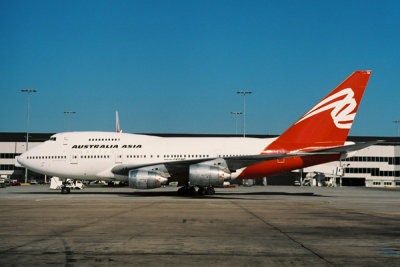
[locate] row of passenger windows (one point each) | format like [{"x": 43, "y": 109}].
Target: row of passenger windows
[
  {"x": 169, "y": 156},
  {"x": 188, "y": 156},
  {"x": 138, "y": 156},
  {"x": 94, "y": 157},
  {"x": 128, "y": 156},
  {"x": 145, "y": 156},
  {"x": 103, "y": 139},
  {"x": 373, "y": 171},
  {"x": 119, "y": 156},
  {"x": 390, "y": 160},
  {"x": 47, "y": 157}
]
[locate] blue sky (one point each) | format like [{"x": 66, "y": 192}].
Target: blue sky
[{"x": 175, "y": 66}]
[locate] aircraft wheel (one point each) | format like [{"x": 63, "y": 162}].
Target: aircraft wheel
[
  {"x": 210, "y": 191},
  {"x": 201, "y": 191},
  {"x": 181, "y": 191},
  {"x": 65, "y": 190},
  {"x": 191, "y": 191}
]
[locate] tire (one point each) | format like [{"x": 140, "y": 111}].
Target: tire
[
  {"x": 210, "y": 191},
  {"x": 201, "y": 191},
  {"x": 65, "y": 190},
  {"x": 191, "y": 191}
]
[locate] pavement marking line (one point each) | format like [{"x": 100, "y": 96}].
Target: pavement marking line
[{"x": 282, "y": 232}]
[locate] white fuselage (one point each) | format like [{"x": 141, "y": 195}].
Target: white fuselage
[{"x": 92, "y": 155}]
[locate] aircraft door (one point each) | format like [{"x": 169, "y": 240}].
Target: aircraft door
[
  {"x": 118, "y": 157},
  {"x": 74, "y": 159}
]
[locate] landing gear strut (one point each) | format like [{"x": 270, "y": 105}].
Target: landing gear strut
[
  {"x": 64, "y": 188},
  {"x": 191, "y": 191}
]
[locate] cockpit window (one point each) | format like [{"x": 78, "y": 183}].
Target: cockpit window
[{"x": 53, "y": 138}]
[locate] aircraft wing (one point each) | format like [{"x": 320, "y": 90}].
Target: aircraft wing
[
  {"x": 235, "y": 163},
  {"x": 173, "y": 167},
  {"x": 238, "y": 162}
]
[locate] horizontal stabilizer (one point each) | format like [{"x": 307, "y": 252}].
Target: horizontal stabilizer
[{"x": 342, "y": 149}]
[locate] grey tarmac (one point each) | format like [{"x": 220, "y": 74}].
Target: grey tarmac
[{"x": 243, "y": 226}]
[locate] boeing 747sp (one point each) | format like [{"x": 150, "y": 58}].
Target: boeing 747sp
[{"x": 202, "y": 163}]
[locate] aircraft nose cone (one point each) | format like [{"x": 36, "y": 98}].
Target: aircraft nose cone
[{"x": 21, "y": 160}]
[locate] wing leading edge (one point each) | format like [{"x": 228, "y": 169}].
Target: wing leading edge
[{"x": 238, "y": 162}]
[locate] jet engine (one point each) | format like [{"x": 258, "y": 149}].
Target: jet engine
[
  {"x": 207, "y": 175},
  {"x": 141, "y": 179}
]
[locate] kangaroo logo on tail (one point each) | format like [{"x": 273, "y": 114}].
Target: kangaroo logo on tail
[{"x": 342, "y": 109}]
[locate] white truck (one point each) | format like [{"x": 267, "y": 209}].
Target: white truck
[{"x": 56, "y": 184}]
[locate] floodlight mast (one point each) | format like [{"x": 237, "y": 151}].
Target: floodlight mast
[
  {"x": 244, "y": 109},
  {"x": 397, "y": 123},
  {"x": 29, "y": 91},
  {"x": 69, "y": 118},
  {"x": 236, "y": 113}
]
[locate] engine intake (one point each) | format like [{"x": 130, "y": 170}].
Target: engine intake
[
  {"x": 207, "y": 175},
  {"x": 141, "y": 179}
]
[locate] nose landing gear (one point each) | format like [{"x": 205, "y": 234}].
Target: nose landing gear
[
  {"x": 65, "y": 190},
  {"x": 64, "y": 187}
]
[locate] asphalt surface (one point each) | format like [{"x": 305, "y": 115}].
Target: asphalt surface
[{"x": 246, "y": 226}]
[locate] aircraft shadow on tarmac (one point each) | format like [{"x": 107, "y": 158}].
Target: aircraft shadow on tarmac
[
  {"x": 218, "y": 195},
  {"x": 222, "y": 195}
]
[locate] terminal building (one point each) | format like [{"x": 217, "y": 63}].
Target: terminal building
[
  {"x": 13, "y": 145},
  {"x": 374, "y": 166}
]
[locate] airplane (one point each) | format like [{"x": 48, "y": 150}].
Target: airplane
[{"x": 199, "y": 164}]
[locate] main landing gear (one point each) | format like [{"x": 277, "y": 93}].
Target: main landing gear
[
  {"x": 191, "y": 191},
  {"x": 65, "y": 190},
  {"x": 206, "y": 191}
]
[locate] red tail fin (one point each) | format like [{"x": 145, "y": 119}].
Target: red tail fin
[{"x": 328, "y": 123}]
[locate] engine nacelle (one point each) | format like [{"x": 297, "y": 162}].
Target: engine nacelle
[
  {"x": 207, "y": 175},
  {"x": 141, "y": 179}
]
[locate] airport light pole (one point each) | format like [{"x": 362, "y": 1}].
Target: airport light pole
[
  {"x": 236, "y": 113},
  {"x": 69, "y": 118},
  {"x": 29, "y": 91},
  {"x": 397, "y": 123},
  {"x": 244, "y": 109}
]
